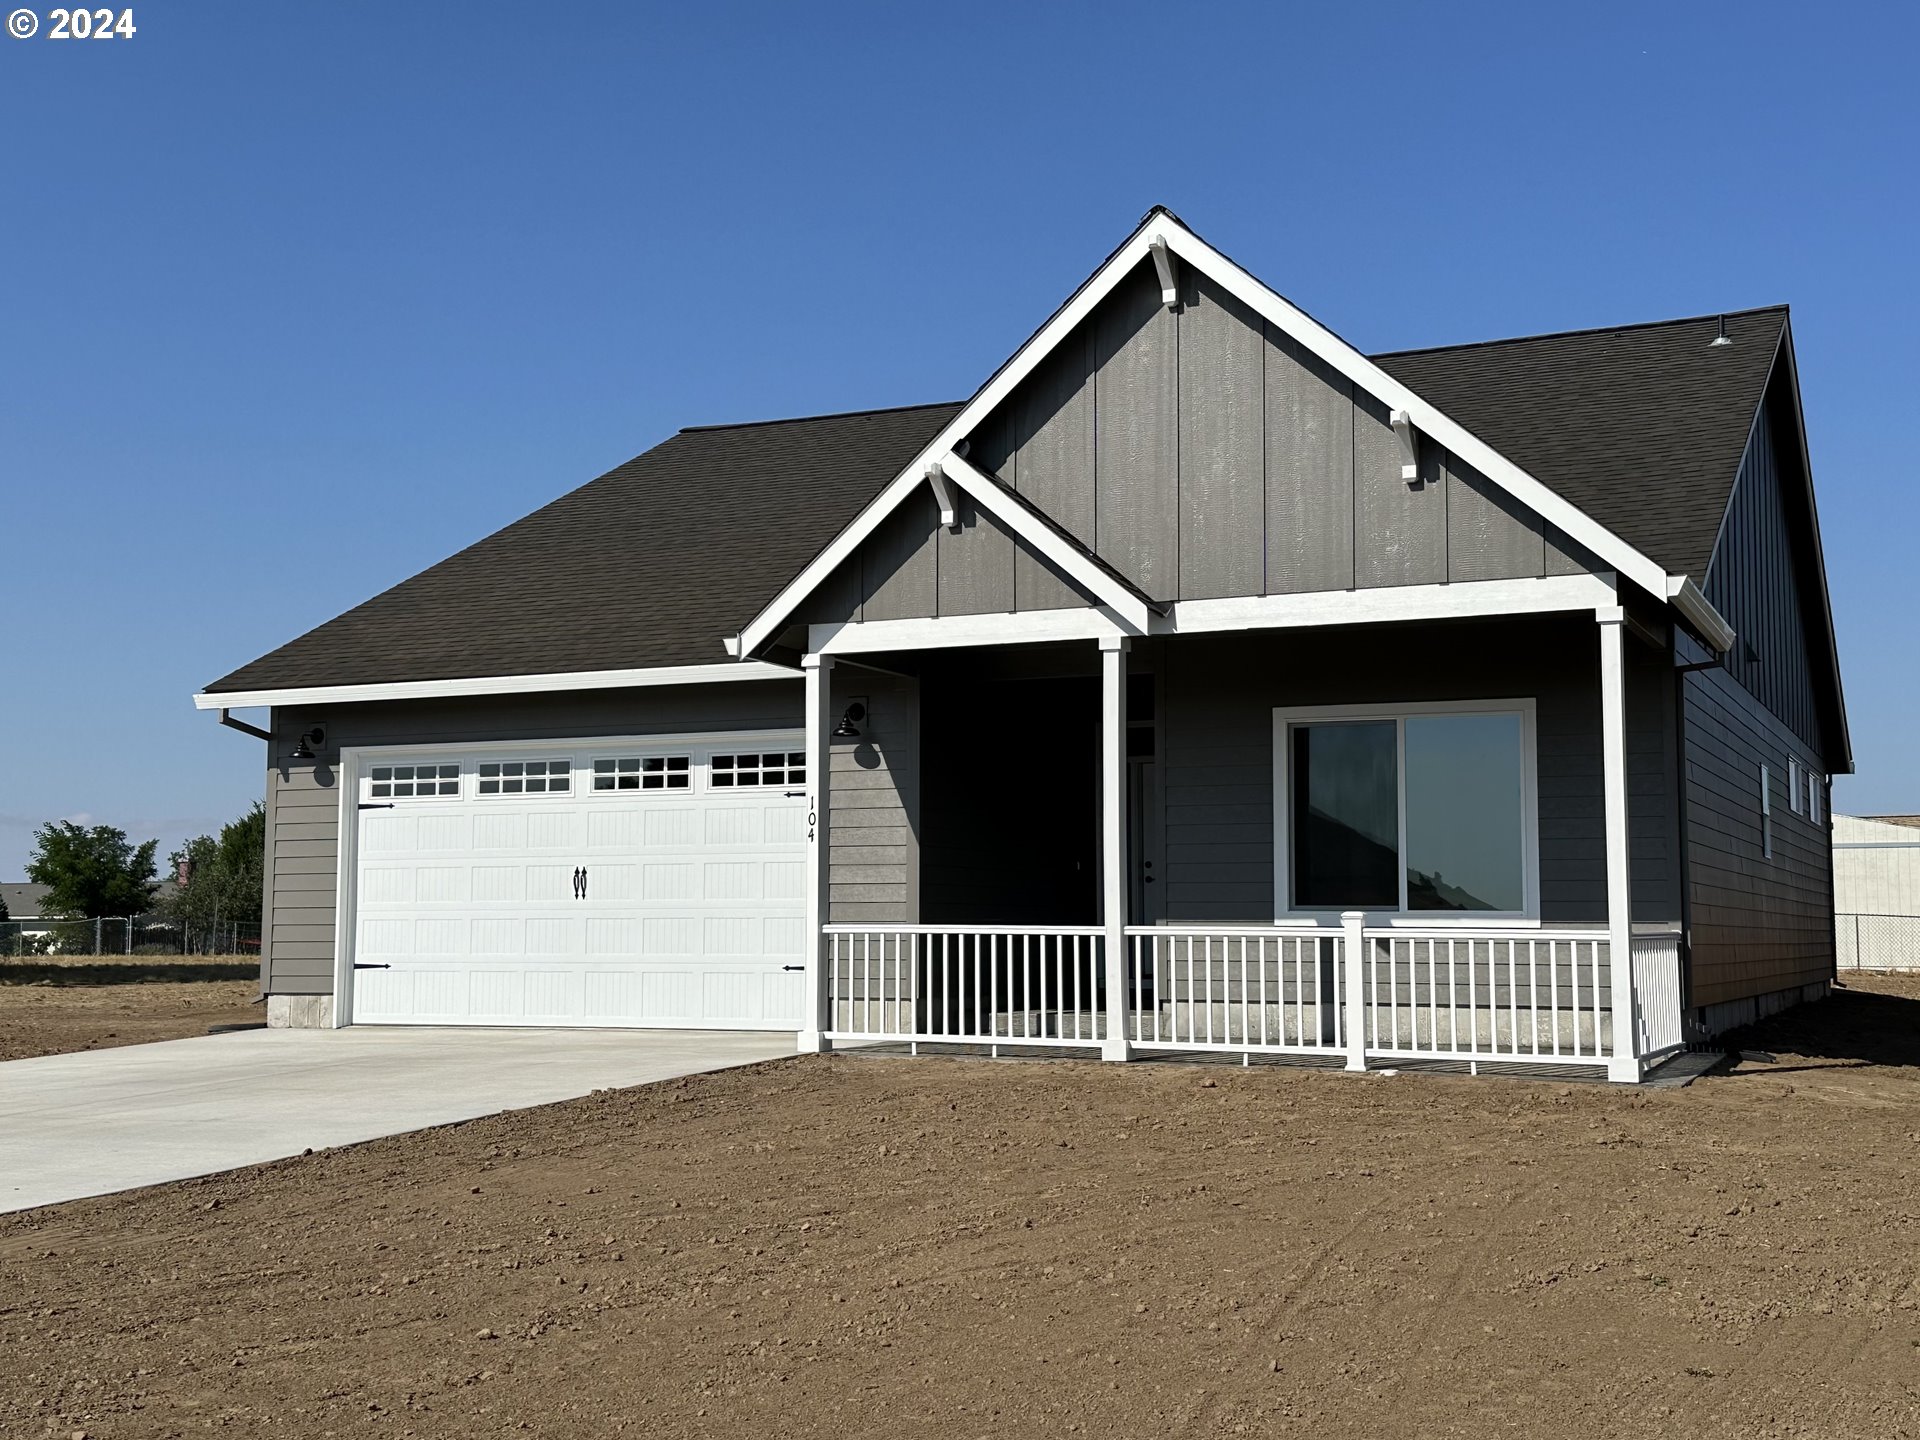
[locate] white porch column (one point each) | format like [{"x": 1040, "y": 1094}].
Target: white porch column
[
  {"x": 818, "y": 670},
  {"x": 1113, "y": 839},
  {"x": 1622, "y": 1062}
]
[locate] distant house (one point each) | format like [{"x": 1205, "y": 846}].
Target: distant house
[
  {"x": 1876, "y": 891},
  {"x": 25, "y": 904}
]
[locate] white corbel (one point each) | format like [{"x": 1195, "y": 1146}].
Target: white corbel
[
  {"x": 1409, "y": 446},
  {"x": 1163, "y": 263},
  {"x": 943, "y": 495}
]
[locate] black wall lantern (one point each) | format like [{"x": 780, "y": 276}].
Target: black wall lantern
[
  {"x": 303, "y": 747},
  {"x": 849, "y": 726}
]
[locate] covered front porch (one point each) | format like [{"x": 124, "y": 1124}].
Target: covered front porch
[{"x": 1420, "y": 839}]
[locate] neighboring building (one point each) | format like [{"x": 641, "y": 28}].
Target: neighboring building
[
  {"x": 1876, "y": 891},
  {"x": 1199, "y": 683},
  {"x": 24, "y": 901}
]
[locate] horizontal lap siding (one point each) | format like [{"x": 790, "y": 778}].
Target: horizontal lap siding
[
  {"x": 873, "y": 848},
  {"x": 303, "y": 800},
  {"x": 1758, "y": 924},
  {"x": 1217, "y": 782}
]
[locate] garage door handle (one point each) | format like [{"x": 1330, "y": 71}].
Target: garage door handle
[{"x": 579, "y": 882}]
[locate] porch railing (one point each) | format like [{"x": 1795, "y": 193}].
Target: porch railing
[
  {"x": 1256, "y": 988},
  {"x": 1487, "y": 995},
  {"x": 1354, "y": 992},
  {"x": 971, "y": 984}
]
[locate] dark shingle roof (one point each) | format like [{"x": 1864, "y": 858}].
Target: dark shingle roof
[
  {"x": 651, "y": 564},
  {"x": 1641, "y": 426}
]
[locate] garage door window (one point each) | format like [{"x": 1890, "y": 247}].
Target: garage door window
[
  {"x": 526, "y": 777},
  {"x": 643, "y": 772},
  {"x": 409, "y": 782},
  {"x": 789, "y": 767}
]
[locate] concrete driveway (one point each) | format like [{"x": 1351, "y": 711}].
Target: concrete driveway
[{"x": 106, "y": 1120}]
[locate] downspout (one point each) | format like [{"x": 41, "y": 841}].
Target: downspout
[{"x": 226, "y": 719}]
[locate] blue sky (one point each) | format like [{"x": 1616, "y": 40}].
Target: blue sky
[{"x": 303, "y": 297}]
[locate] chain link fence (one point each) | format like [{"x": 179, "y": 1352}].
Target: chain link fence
[
  {"x": 1878, "y": 942},
  {"x": 128, "y": 935}
]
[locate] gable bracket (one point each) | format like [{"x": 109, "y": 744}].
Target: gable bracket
[
  {"x": 1163, "y": 264},
  {"x": 1408, "y": 435},
  {"x": 943, "y": 496}
]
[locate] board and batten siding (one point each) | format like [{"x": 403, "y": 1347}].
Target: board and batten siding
[
  {"x": 303, "y": 800},
  {"x": 1763, "y": 572},
  {"x": 1218, "y": 695},
  {"x": 1202, "y": 454}
]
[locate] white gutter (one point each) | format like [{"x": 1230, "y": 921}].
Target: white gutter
[
  {"x": 1691, "y": 602},
  {"x": 495, "y": 685}
]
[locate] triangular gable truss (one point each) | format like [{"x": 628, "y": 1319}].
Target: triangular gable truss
[{"x": 1162, "y": 235}]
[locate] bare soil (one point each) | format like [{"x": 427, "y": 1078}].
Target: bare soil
[
  {"x": 51, "y": 1005},
  {"x": 850, "y": 1246}
]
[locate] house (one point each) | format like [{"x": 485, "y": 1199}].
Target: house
[
  {"x": 1200, "y": 683},
  {"x": 25, "y": 904},
  {"x": 1876, "y": 891}
]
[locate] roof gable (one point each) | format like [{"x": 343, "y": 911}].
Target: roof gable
[
  {"x": 1641, "y": 426},
  {"x": 1162, "y": 236}
]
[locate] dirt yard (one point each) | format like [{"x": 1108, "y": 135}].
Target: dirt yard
[
  {"x": 846, "y": 1247},
  {"x": 49, "y": 1005}
]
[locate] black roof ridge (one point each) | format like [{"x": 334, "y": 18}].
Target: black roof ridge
[
  {"x": 1781, "y": 308},
  {"x": 829, "y": 415}
]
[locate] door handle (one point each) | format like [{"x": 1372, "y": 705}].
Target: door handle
[{"x": 579, "y": 882}]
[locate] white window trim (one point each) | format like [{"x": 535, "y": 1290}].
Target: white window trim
[
  {"x": 572, "y": 773},
  {"x": 684, "y": 752},
  {"x": 356, "y": 759},
  {"x": 1284, "y": 909},
  {"x": 1766, "y": 812}
]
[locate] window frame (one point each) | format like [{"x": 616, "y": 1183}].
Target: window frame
[
  {"x": 1284, "y": 719},
  {"x": 665, "y": 755},
  {"x": 372, "y": 780},
  {"x": 1766, "y": 811},
  {"x": 547, "y": 774}
]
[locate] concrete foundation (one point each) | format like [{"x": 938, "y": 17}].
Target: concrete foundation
[
  {"x": 1712, "y": 1020},
  {"x": 299, "y": 1012}
]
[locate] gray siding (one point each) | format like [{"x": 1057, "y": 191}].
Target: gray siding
[
  {"x": 303, "y": 799},
  {"x": 873, "y": 843},
  {"x": 1757, "y": 925},
  {"x": 1765, "y": 574},
  {"x": 1201, "y": 453},
  {"x": 1216, "y": 738}
]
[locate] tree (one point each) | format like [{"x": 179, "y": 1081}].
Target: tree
[
  {"x": 4, "y": 916},
  {"x": 90, "y": 872},
  {"x": 222, "y": 876}
]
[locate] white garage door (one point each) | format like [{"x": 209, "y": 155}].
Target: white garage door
[{"x": 597, "y": 883}]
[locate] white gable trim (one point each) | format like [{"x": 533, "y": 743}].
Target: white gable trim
[
  {"x": 493, "y": 685},
  {"x": 1047, "y": 543},
  {"x": 1162, "y": 229}
]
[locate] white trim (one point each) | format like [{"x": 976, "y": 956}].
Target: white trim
[
  {"x": 1114, "y": 885},
  {"x": 355, "y": 758},
  {"x": 1623, "y": 1064},
  {"x": 1691, "y": 602},
  {"x": 1468, "y": 599},
  {"x": 818, "y": 742},
  {"x": 1528, "y": 916},
  {"x": 496, "y": 685},
  {"x": 1026, "y": 627},
  {"x": 1163, "y": 267},
  {"x": 1047, "y": 543},
  {"x": 1162, "y": 229},
  {"x": 943, "y": 497}
]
